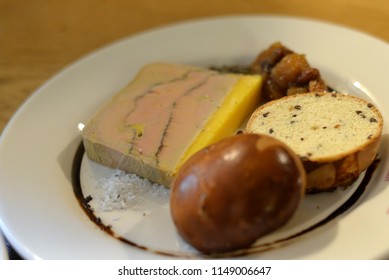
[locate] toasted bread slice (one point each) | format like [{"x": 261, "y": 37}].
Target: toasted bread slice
[{"x": 336, "y": 135}]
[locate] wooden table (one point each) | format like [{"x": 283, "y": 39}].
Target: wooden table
[{"x": 39, "y": 38}]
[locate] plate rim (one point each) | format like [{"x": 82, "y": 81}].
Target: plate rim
[{"x": 100, "y": 51}]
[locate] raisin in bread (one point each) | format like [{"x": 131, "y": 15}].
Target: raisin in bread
[{"x": 337, "y": 136}]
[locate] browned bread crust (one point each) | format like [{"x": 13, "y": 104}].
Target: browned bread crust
[{"x": 337, "y": 136}]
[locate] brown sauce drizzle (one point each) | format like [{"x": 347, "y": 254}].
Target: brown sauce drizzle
[{"x": 84, "y": 203}]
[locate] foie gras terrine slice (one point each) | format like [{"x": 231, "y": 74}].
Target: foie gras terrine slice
[{"x": 167, "y": 113}]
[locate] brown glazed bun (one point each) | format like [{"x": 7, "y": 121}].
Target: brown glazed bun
[{"x": 228, "y": 195}]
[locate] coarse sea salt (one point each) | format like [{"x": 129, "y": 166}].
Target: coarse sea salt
[{"x": 122, "y": 191}]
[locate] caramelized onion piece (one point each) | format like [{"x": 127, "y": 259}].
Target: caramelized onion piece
[{"x": 286, "y": 72}]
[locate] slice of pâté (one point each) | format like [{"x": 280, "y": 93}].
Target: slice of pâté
[{"x": 167, "y": 113}]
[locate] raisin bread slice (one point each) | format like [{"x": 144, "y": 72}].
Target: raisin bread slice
[{"x": 336, "y": 135}]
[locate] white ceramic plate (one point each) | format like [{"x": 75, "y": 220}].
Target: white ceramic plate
[
  {"x": 39, "y": 212},
  {"x": 3, "y": 249}
]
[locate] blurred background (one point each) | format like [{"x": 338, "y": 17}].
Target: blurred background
[{"x": 38, "y": 38}]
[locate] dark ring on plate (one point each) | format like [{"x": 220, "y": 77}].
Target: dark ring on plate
[{"x": 254, "y": 249}]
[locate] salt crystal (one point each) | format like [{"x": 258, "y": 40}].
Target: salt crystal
[{"x": 122, "y": 191}]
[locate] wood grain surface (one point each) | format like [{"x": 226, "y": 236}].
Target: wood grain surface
[{"x": 39, "y": 38}]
